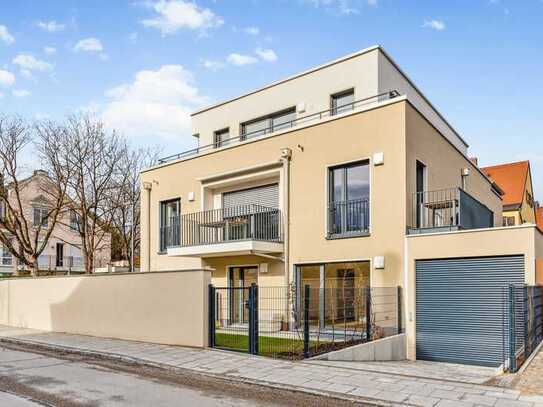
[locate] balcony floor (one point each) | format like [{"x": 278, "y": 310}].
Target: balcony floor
[{"x": 235, "y": 248}]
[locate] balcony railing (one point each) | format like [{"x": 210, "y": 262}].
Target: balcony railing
[
  {"x": 358, "y": 104},
  {"x": 347, "y": 218},
  {"x": 448, "y": 209},
  {"x": 246, "y": 222},
  {"x": 51, "y": 262}
]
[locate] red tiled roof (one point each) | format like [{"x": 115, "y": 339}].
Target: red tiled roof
[{"x": 511, "y": 178}]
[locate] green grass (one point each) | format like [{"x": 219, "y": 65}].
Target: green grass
[{"x": 267, "y": 345}]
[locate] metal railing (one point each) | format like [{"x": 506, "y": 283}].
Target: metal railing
[
  {"x": 290, "y": 124},
  {"x": 245, "y": 222},
  {"x": 451, "y": 208},
  {"x": 51, "y": 262},
  {"x": 348, "y": 217}
]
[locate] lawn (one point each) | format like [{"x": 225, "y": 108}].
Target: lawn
[{"x": 267, "y": 345}]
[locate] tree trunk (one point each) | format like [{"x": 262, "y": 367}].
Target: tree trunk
[{"x": 34, "y": 268}]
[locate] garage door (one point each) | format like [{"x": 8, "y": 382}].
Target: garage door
[
  {"x": 267, "y": 195},
  {"x": 461, "y": 308}
]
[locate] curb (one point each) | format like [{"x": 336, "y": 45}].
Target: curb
[{"x": 142, "y": 362}]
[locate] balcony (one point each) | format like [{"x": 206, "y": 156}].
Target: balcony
[
  {"x": 300, "y": 121},
  {"x": 246, "y": 229},
  {"x": 448, "y": 210},
  {"x": 348, "y": 218}
]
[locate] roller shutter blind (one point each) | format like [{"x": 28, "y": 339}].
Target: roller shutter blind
[{"x": 267, "y": 195}]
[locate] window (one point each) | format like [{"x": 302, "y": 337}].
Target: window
[
  {"x": 348, "y": 201},
  {"x": 6, "y": 258},
  {"x": 169, "y": 223},
  {"x": 268, "y": 124},
  {"x": 221, "y": 137},
  {"x": 508, "y": 221},
  {"x": 75, "y": 220},
  {"x": 342, "y": 102},
  {"x": 40, "y": 217}
]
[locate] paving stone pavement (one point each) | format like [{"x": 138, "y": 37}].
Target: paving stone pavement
[{"x": 376, "y": 387}]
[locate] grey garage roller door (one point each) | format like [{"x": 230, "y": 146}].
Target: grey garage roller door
[
  {"x": 461, "y": 308},
  {"x": 267, "y": 195}
]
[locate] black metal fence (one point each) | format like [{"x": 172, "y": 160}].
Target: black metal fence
[
  {"x": 280, "y": 322},
  {"x": 523, "y": 323},
  {"x": 349, "y": 217}
]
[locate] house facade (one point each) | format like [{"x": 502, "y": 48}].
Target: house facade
[
  {"x": 63, "y": 253},
  {"x": 515, "y": 180},
  {"x": 340, "y": 176}
]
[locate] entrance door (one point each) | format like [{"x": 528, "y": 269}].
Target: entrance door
[
  {"x": 241, "y": 278},
  {"x": 60, "y": 255}
]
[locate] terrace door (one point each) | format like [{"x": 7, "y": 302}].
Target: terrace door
[
  {"x": 240, "y": 279},
  {"x": 60, "y": 255}
]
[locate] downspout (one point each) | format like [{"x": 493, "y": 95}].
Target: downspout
[
  {"x": 147, "y": 187},
  {"x": 286, "y": 154}
]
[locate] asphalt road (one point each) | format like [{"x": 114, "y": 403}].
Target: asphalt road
[{"x": 43, "y": 378}]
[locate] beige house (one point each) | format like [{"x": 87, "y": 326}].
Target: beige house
[
  {"x": 339, "y": 176},
  {"x": 63, "y": 253}
]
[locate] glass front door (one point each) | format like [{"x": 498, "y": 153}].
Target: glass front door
[{"x": 239, "y": 281}]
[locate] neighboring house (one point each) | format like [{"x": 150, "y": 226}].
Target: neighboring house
[
  {"x": 63, "y": 252},
  {"x": 342, "y": 176},
  {"x": 515, "y": 179},
  {"x": 539, "y": 217}
]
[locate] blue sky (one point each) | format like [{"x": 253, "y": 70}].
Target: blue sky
[{"x": 144, "y": 65}]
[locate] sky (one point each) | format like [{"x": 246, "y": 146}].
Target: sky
[{"x": 143, "y": 66}]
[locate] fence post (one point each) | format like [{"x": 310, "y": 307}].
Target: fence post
[
  {"x": 368, "y": 314},
  {"x": 399, "y": 300},
  {"x": 526, "y": 315},
  {"x": 211, "y": 314},
  {"x": 307, "y": 291},
  {"x": 253, "y": 319},
  {"x": 512, "y": 333}
]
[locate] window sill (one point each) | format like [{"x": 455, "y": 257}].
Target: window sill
[{"x": 348, "y": 235}]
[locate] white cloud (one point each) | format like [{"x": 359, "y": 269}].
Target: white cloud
[
  {"x": 252, "y": 30},
  {"x": 438, "y": 25},
  {"x": 240, "y": 60},
  {"x": 6, "y": 78},
  {"x": 20, "y": 93},
  {"x": 174, "y": 15},
  {"x": 51, "y": 26},
  {"x": 5, "y": 36},
  {"x": 372, "y": 3},
  {"x": 157, "y": 103},
  {"x": 50, "y": 50},
  {"x": 213, "y": 65},
  {"x": 28, "y": 63},
  {"x": 268, "y": 55},
  {"x": 89, "y": 45},
  {"x": 341, "y": 7}
]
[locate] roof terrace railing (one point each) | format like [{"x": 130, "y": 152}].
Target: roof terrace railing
[{"x": 337, "y": 110}]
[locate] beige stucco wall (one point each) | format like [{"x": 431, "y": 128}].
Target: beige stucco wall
[
  {"x": 444, "y": 164},
  {"x": 343, "y": 140},
  {"x": 517, "y": 240},
  {"x": 168, "y": 308}
]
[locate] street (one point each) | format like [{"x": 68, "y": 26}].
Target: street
[{"x": 65, "y": 381}]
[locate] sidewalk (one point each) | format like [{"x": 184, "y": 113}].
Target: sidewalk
[{"x": 362, "y": 386}]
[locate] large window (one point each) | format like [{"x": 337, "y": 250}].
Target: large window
[
  {"x": 170, "y": 231},
  {"x": 337, "y": 291},
  {"x": 40, "y": 217},
  {"x": 342, "y": 102},
  {"x": 349, "y": 199},
  {"x": 268, "y": 124},
  {"x": 221, "y": 137}
]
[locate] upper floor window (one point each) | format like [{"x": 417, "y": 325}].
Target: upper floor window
[
  {"x": 342, "y": 102},
  {"x": 508, "y": 221},
  {"x": 41, "y": 217},
  {"x": 169, "y": 223},
  {"x": 75, "y": 220},
  {"x": 349, "y": 199},
  {"x": 221, "y": 137},
  {"x": 268, "y": 124}
]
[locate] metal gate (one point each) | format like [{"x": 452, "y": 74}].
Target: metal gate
[
  {"x": 461, "y": 305},
  {"x": 233, "y": 318}
]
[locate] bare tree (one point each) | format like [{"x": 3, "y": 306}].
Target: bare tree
[
  {"x": 126, "y": 213},
  {"x": 19, "y": 232},
  {"x": 89, "y": 157}
]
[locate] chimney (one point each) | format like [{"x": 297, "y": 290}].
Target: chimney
[{"x": 475, "y": 161}]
